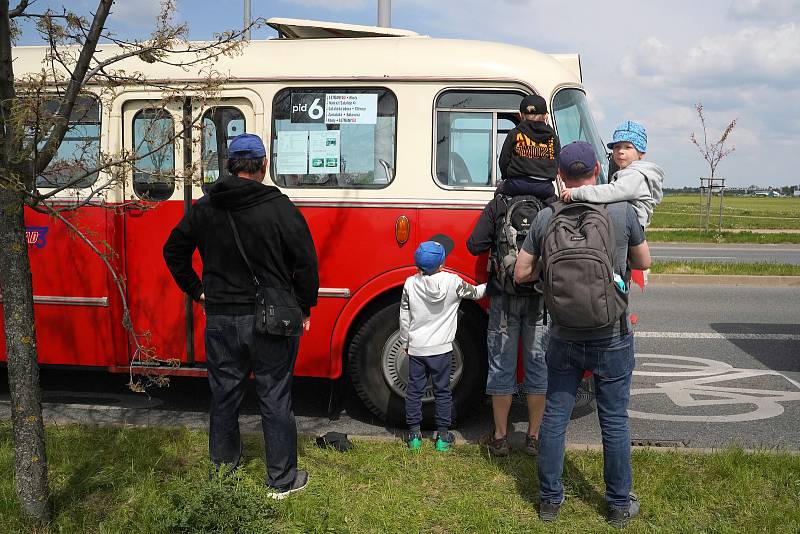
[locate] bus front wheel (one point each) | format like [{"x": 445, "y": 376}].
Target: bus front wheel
[{"x": 378, "y": 367}]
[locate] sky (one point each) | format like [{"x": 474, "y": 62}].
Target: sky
[{"x": 648, "y": 61}]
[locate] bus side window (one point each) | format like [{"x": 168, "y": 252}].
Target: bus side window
[
  {"x": 343, "y": 137},
  {"x": 154, "y": 144},
  {"x": 471, "y": 126},
  {"x": 79, "y": 152},
  {"x": 220, "y": 125}
]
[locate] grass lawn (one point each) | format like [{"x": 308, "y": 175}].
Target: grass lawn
[
  {"x": 683, "y": 211},
  {"x": 153, "y": 480},
  {"x": 747, "y": 269}
]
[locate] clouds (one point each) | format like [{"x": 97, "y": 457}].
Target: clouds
[
  {"x": 764, "y": 10},
  {"x": 138, "y": 14},
  {"x": 337, "y": 5}
]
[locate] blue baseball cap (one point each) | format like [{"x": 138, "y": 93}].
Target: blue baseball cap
[
  {"x": 246, "y": 146},
  {"x": 631, "y": 132},
  {"x": 429, "y": 256},
  {"x": 577, "y": 159}
]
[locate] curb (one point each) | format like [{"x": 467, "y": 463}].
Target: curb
[{"x": 723, "y": 280}]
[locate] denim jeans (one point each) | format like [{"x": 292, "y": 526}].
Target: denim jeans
[
  {"x": 509, "y": 317},
  {"x": 611, "y": 361},
  {"x": 233, "y": 351},
  {"x": 438, "y": 367}
]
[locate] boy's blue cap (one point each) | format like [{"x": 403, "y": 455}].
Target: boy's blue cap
[
  {"x": 577, "y": 159},
  {"x": 429, "y": 256},
  {"x": 632, "y": 132},
  {"x": 246, "y": 146}
]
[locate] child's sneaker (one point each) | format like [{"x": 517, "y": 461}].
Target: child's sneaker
[
  {"x": 444, "y": 441},
  {"x": 414, "y": 441}
]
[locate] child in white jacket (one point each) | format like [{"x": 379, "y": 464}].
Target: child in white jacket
[
  {"x": 639, "y": 182},
  {"x": 428, "y": 317}
]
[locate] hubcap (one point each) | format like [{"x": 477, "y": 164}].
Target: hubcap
[{"x": 394, "y": 363}]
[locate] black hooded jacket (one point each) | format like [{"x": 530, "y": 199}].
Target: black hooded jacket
[
  {"x": 530, "y": 149},
  {"x": 275, "y": 237}
]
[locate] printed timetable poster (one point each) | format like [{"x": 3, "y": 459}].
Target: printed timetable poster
[
  {"x": 292, "y": 152},
  {"x": 324, "y": 156},
  {"x": 351, "y": 108}
]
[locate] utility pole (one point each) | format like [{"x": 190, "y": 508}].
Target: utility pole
[
  {"x": 247, "y": 20},
  {"x": 385, "y": 13}
]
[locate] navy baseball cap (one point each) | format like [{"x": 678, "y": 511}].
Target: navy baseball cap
[
  {"x": 577, "y": 158},
  {"x": 246, "y": 146},
  {"x": 429, "y": 256},
  {"x": 533, "y": 105}
]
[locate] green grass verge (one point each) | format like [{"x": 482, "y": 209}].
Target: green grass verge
[
  {"x": 117, "y": 479},
  {"x": 683, "y": 211},
  {"x": 746, "y": 269},
  {"x": 698, "y": 236}
]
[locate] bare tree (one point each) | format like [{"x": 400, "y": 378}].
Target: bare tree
[
  {"x": 713, "y": 152},
  {"x": 36, "y": 112}
]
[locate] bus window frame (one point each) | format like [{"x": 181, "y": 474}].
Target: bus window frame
[{"x": 522, "y": 91}]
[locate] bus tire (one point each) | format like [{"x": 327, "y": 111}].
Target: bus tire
[{"x": 378, "y": 369}]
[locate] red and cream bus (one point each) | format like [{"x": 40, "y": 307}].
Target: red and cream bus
[{"x": 382, "y": 137}]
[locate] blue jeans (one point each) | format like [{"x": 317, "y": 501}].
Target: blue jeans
[
  {"x": 509, "y": 317},
  {"x": 611, "y": 361},
  {"x": 438, "y": 367},
  {"x": 232, "y": 351}
]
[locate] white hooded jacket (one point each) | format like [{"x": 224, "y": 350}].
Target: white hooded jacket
[
  {"x": 639, "y": 183},
  {"x": 429, "y": 311}
]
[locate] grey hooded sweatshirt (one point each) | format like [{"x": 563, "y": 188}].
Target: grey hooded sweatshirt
[
  {"x": 639, "y": 183},
  {"x": 429, "y": 311}
]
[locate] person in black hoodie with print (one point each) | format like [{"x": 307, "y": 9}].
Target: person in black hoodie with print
[
  {"x": 279, "y": 246},
  {"x": 528, "y": 160}
]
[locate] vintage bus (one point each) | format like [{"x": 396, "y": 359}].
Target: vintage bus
[{"x": 382, "y": 137}]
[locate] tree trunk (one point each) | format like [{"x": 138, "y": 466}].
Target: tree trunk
[{"x": 23, "y": 366}]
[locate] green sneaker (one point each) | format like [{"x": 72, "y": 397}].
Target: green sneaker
[
  {"x": 444, "y": 441},
  {"x": 414, "y": 441}
]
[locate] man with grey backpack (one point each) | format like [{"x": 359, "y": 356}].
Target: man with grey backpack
[{"x": 584, "y": 253}]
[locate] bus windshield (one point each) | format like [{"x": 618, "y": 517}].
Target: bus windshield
[{"x": 574, "y": 123}]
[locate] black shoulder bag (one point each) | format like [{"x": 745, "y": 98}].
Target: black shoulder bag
[{"x": 276, "y": 309}]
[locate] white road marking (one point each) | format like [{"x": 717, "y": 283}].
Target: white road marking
[
  {"x": 694, "y": 390},
  {"x": 718, "y": 335}
]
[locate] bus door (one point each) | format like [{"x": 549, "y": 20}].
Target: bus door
[
  {"x": 218, "y": 125},
  {"x": 154, "y": 198}
]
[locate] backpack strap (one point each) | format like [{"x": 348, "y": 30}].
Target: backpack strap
[{"x": 241, "y": 248}]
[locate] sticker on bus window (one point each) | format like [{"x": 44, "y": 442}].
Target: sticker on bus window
[
  {"x": 351, "y": 109},
  {"x": 308, "y": 108},
  {"x": 292, "y": 156},
  {"x": 323, "y": 152}
]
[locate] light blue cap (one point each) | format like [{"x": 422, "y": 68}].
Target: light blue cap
[{"x": 631, "y": 132}]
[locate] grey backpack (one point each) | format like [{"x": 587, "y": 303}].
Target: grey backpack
[
  {"x": 578, "y": 268},
  {"x": 510, "y": 233}
]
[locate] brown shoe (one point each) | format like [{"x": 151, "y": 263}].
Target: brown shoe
[
  {"x": 496, "y": 446},
  {"x": 531, "y": 445}
]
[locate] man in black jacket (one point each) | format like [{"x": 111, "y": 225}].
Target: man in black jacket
[{"x": 279, "y": 246}]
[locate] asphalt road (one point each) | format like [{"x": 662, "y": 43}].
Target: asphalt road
[
  {"x": 716, "y": 366},
  {"x": 712, "y": 253}
]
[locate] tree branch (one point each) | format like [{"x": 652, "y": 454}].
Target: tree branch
[{"x": 19, "y": 10}]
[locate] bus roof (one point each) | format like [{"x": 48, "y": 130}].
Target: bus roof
[
  {"x": 410, "y": 57},
  {"x": 315, "y": 29}
]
